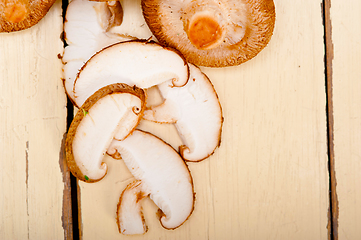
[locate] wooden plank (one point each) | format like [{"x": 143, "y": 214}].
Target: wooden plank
[
  {"x": 33, "y": 124},
  {"x": 346, "y": 75},
  {"x": 269, "y": 178}
]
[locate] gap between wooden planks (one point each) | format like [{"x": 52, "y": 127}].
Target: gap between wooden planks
[
  {"x": 345, "y": 74},
  {"x": 333, "y": 210}
]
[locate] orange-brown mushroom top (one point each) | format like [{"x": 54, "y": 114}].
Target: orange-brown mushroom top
[
  {"x": 16, "y": 15},
  {"x": 204, "y": 32},
  {"x": 15, "y": 12},
  {"x": 213, "y": 33}
]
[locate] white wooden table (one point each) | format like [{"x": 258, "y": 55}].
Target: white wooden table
[{"x": 290, "y": 151}]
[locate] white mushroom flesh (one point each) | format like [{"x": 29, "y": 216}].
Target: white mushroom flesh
[
  {"x": 163, "y": 174},
  {"x": 196, "y": 112},
  {"x": 140, "y": 63},
  {"x": 129, "y": 214},
  {"x": 133, "y": 24},
  {"x": 86, "y": 33},
  {"x": 97, "y": 129}
]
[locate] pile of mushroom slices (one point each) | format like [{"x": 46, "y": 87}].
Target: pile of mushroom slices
[
  {"x": 16, "y": 15},
  {"x": 107, "y": 77}
]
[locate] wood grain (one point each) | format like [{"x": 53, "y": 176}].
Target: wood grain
[
  {"x": 33, "y": 124},
  {"x": 269, "y": 178},
  {"x": 346, "y": 75}
]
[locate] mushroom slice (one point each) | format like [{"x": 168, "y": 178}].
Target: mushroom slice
[
  {"x": 196, "y": 112},
  {"x": 116, "y": 14},
  {"x": 209, "y": 32},
  {"x": 140, "y": 63},
  {"x": 133, "y": 24},
  {"x": 162, "y": 173},
  {"x": 130, "y": 217},
  {"x": 113, "y": 111},
  {"x": 86, "y": 31},
  {"x": 16, "y": 15}
]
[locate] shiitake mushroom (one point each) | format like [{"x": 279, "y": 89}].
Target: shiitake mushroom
[
  {"x": 16, "y": 15},
  {"x": 212, "y": 33}
]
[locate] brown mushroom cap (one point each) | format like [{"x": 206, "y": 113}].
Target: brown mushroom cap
[
  {"x": 16, "y": 15},
  {"x": 212, "y": 33}
]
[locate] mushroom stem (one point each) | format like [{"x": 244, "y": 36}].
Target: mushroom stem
[
  {"x": 204, "y": 25},
  {"x": 16, "y": 10}
]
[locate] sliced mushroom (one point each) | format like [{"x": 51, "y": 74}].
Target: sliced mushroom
[
  {"x": 86, "y": 31},
  {"x": 112, "y": 112},
  {"x": 140, "y": 63},
  {"x": 130, "y": 217},
  {"x": 196, "y": 112},
  {"x": 116, "y": 14},
  {"x": 133, "y": 24},
  {"x": 162, "y": 173},
  {"x": 16, "y": 15},
  {"x": 212, "y": 33}
]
